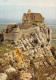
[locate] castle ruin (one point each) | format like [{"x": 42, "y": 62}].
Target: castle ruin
[
  {"x": 32, "y": 17},
  {"x": 12, "y": 32}
]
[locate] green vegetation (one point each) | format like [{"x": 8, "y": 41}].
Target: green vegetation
[
  {"x": 25, "y": 57},
  {"x": 53, "y": 44},
  {"x": 5, "y": 47},
  {"x": 54, "y": 36}
]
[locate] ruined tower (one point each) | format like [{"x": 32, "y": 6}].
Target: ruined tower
[
  {"x": 29, "y": 11},
  {"x": 32, "y": 17}
]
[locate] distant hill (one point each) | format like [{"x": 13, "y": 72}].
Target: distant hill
[
  {"x": 4, "y": 23},
  {"x": 50, "y": 21}
]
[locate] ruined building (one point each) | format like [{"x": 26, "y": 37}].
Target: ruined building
[
  {"x": 13, "y": 31},
  {"x": 32, "y": 17}
]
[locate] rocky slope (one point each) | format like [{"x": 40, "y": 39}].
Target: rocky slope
[{"x": 32, "y": 58}]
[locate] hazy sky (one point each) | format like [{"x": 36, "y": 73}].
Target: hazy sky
[{"x": 14, "y": 9}]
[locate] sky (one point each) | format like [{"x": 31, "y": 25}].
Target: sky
[{"x": 14, "y": 9}]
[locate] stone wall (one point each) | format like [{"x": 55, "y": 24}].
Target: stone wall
[
  {"x": 11, "y": 36},
  {"x": 42, "y": 30},
  {"x": 32, "y": 17}
]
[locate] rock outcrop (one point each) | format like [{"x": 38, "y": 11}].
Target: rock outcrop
[
  {"x": 37, "y": 61},
  {"x": 3, "y": 76}
]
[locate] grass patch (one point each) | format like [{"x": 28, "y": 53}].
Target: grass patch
[
  {"x": 53, "y": 44},
  {"x": 5, "y": 47},
  {"x": 25, "y": 57},
  {"x": 53, "y": 36},
  {"x": 53, "y": 41}
]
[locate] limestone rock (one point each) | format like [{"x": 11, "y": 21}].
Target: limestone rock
[
  {"x": 26, "y": 76},
  {"x": 38, "y": 62},
  {"x": 3, "y": 76},
  {"x": 10, "y": 70}
]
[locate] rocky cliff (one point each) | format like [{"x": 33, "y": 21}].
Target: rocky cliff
[{"x": 32, "y": 58}]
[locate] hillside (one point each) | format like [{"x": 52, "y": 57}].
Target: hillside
[{"x": 32, "y": 58}]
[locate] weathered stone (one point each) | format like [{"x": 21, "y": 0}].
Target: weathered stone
[
  {"x": 26, "y": 76},
  {"x": 24, "y": 42},
  {"x": 35, "y": 50},
  {"x": 32, "y": 17},
  {"x": 10, "y": 70},
  {"x": 28, "y": 47},
  {"x": 37, "y": 57},
  {"x": 3, "y": 76}
]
